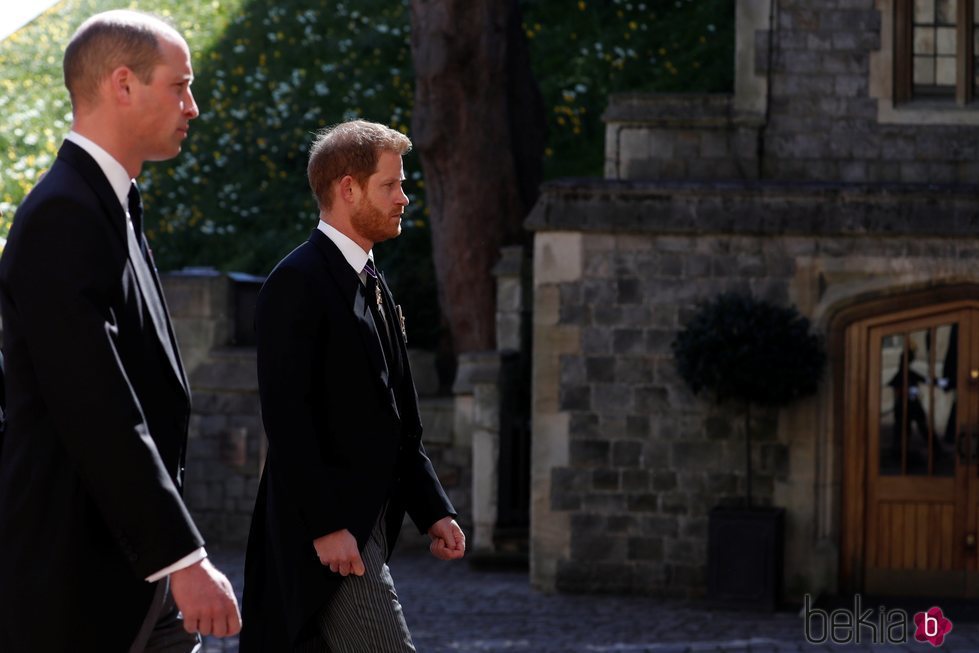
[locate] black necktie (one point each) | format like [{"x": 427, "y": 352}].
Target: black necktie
[
  {"x": 144, "y": 274},
  {"x": 136, "y": 216}
]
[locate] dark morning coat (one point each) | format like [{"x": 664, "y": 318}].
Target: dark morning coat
[
  {"x": 92, "y": 459},
  {"x": 344, "y": 437}
]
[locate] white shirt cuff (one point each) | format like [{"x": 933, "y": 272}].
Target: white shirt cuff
[{"x": 183, "y": 563}]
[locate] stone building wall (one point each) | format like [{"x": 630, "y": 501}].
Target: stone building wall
[
  {"x": 627, "y": 462},
  {"x": 679, "y": 137},
  {"x": 826, "y": 84},
  {"x": 646, "y": 460},
  {"x": 813, "y": 101},
  {"x": 226, "y": 439},
  {"x": 226, "y": 444},
  {"x": 808, "y": 185}
]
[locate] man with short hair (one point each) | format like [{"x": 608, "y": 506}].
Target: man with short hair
[
  {"x": 345, "y": 458},
  {"x": 97, "y": 549}
]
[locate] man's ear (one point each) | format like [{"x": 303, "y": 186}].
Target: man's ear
[
  {"x": 348, "y": 188},
  {"x": 120, "y": 84}
]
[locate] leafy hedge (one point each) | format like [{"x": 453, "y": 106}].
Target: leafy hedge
[{"x": 268, "y": 74}]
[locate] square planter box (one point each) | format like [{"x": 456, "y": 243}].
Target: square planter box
[{"x": 744, "y": 557}]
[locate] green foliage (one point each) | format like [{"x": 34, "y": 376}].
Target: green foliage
[
  {"x": 35, "y": 112},
  {"x": 238, "y": 195},
  {"x": 269, "y": 74},
  {"x": 583, "y": 50},
  {"x": 740, "y": 348}
]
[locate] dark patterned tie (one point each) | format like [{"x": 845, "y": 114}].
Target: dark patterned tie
[{"x": 376, "y": 302}]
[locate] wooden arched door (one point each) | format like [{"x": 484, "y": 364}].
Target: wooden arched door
[{"x": 915, "y": 467}]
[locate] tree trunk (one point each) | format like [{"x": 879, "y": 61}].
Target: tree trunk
[{"x": 478, "y": 125}]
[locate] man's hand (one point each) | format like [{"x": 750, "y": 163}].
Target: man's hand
[
  {"x": 448, "y": 540},
  {"x": 206, "y": 599},
  {"x": 338, "y": 551}
]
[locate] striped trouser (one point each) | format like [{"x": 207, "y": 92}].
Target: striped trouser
[{"x": 364, "y": 615}]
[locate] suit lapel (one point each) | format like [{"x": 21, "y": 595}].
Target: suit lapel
[
  {"x": 80, "y": 160},
  {"x": 173, "y": 353},
  {"x": 410, "y": 413},
  {"x": 353, "y": 291}
]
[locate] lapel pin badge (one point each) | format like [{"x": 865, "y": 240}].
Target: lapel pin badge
[{"x": 401, "y": 321}]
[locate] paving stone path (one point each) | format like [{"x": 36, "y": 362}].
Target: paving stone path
[{"x": 454, "y": 608}]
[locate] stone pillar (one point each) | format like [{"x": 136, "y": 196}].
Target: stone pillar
[
  {"x": 453, "y": 464},
  {"x": 482, "y": 374},
  {"x": 558, "y": 259},
  {"x": 511, "y": 300},
  {"x": 752, "y": 24},
  {"x": 485, "y": 452},
  {"x": 475, "y": 418}
]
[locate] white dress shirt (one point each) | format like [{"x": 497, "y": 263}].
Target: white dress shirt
[
  {"x": 120, "y": 182},
  {"x": 354, "y": 253}
]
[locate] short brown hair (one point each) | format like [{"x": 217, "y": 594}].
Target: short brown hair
[
  {"x": 107, "y": 41},
  {"x": 350, "y": 148}
]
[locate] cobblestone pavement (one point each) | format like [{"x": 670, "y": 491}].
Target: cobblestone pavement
[{"x": 452, "y": 608}]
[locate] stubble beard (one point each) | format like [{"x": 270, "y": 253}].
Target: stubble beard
[{"x": 372, "y": 223}]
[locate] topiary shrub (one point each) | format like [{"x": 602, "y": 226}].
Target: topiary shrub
[{"x": 753, "y": 352}]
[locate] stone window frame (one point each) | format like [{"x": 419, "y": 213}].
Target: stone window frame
[{"x": 890, "y": 72}]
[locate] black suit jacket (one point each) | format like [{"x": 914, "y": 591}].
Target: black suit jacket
[
  {"x": 92, "y": 460},
  {"x": 344, "y": 438}
]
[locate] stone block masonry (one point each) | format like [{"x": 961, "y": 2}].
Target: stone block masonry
[{"x": 628, "y": 462}]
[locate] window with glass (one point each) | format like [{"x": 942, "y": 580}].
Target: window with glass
[
  {"x": 918, "y": 400},
  {"x": 937, "y": 50}
]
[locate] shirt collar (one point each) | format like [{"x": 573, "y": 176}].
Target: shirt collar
[
  {"x": 114, "y": 172},
  {"x": 354, "y": 253}
]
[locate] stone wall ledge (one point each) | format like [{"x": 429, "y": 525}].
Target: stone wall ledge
[
  {"x": 679, "y": 110},
  {"x": 756, "y": 208}
]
